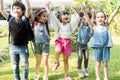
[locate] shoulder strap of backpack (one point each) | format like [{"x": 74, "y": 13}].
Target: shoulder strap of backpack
[{"x": 10, "y": 20}]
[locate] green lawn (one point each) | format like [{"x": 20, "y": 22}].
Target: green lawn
[{"x": 114, "y": 64}]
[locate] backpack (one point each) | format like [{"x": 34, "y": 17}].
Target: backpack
[{"x": 30, "y": 35}]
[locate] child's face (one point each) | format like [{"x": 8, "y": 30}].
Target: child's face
[
  {"x": 17, "y": 11},
  {"x": 64, "y": 18},
  {"x": 100, "y": 18},
  {"x": 43, "y": 17},
  {"x": 84, "y": 20}
]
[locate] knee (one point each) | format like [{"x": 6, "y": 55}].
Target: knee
[
  {"x": 14, "y": 65},
  {"x": 57, "y": 50},
  {"x": 25, "y": 66}
]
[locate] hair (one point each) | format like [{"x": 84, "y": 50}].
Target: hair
[
  {"x": 39, "y": 13},
  {"x": 81, "y": 14},
  {"x": 59, "y": 13},
  {"x": 21, "y": 5}
]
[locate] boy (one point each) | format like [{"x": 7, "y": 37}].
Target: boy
[{"x": 18, "y": 41}]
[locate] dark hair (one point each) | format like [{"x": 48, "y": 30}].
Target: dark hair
[
  {"x": 81, "y": 14},
  {"x": 39, "y": 13},
  {"x": 60, "y": 13},
  {"x": 20, "y": 4}
]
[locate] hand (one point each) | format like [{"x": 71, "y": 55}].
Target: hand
[
  {"x": 92, "y": 10},
  {"x": 48, "y": 3}
]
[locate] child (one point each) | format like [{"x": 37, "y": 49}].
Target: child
[
  {"x": 101, "y": 42},
  {"x": 41, "y": 41},
  {"x": 18, "y": 45},
  {"x": 83, "y": 38},
  {"x": 63, "y": 29}
]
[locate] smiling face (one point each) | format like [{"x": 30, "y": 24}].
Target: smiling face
[
  {"x": 100, "y": 18},
  {"x": 84, "y": 21},
  {"x": 17, "y": 11},
  {"x": 43, "y": 17}
]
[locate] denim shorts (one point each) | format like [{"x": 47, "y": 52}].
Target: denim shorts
[
  {"x": 102, "y": 54},
  {"x": 19, "y": 53},
  {"x": 42, "y": 49}
]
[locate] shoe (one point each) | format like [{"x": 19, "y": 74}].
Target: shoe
[
  {"x": 36, "y": 77},
  {"x": 86, "y": 73},
  {"x": 68, "y": 78},
  {"x": 55, "y": 66},
  {"x": 81, "y": 74},
  {"x": 105, "y": 78},
  {"x": 45, "y": 77},
  {"x": 97, "y": 78}
]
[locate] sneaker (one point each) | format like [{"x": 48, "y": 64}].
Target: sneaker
[
  {"x": 45, "y": 77},
  {"x": 55, "y": 66},
  {"x": 105, "y": 78},
  {"x": 36, "y": 77},
  {"x": 97, "y": 78},
  {"x": 68, "y": 78},
  {"x": 81, "y": 74},
  {"x": 86, "y": 73}
]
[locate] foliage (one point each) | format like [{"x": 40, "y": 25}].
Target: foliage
[{"x": 74, "y": 40}]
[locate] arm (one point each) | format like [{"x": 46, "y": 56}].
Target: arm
[
  {"x": 75, "y": 18},
  {"x": 93, "y": 14},
  {"x": 112, "y": 15},
  {"x": 28, "y": 8},
  {"x": 2, "y": 10},
  {"x": 91, "y": 24},
  {"x": 52, "y": 17}
]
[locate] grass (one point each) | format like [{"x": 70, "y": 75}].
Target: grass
[{"x": 114, "y": 64}]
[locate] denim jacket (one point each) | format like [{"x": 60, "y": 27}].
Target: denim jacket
[
  {"x": 84, "y": 34},
  {"x": 101, "y": 37}
]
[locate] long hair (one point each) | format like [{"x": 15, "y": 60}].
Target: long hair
[{"x": 39, "y": 13}]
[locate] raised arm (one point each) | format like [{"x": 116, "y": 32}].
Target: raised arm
[
  {"x": 91, "y": 24},
  {"x": 75, "y": 18},
  {"x": 2, "y": 10},
  {"x": 113, "y": 14},
  {"x": 52, "y": 17},
  {"x": 28, "y": 8}
]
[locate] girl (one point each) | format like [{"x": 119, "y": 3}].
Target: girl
[
  {"x": 41, "y": 41},
  {"x": 83, "y": 38},
  {"x": 63, "y": 29},
  {"x": 101, "y": 42},
  {"x": 18, "y": 45}
]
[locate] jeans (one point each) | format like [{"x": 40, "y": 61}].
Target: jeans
[{"x": 19, "y": 54}]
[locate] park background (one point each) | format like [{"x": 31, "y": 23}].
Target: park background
[{"x": 114, "y": 65}]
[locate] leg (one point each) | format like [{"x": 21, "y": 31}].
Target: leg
[
  {"x": 38, "y": 62},
  {"x": 97, "y": 69},
  {"x": 86, "y": 59},
  {"x": 66, "y": 65},
  {"x": 15, "y": 65},
  {"x": 105, "y": 64},
  {"x": 66, "y": 68},
  {"x": 45, "y": 62},
  {"x": 24, "y": 65},
  {"x": 57, "y": 56},
  {"x": 80, "y": 56}
]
